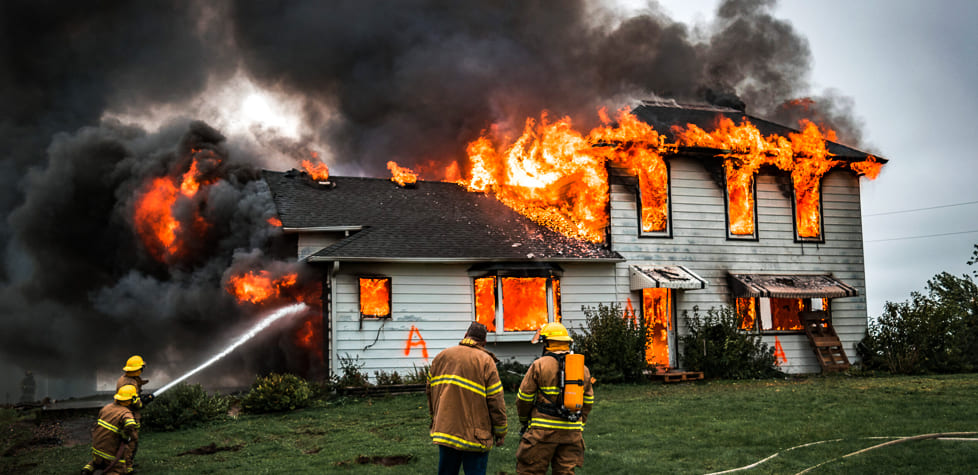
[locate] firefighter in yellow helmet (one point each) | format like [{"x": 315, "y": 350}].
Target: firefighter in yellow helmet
[
  {"x": 115, "y": 428},
  {"x": 132, "y": 377},
  {"x": 551, "y": 433}
]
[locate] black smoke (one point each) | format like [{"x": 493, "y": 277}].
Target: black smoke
[{"x": 409, "y": 81}]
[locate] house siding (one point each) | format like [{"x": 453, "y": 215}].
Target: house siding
[
  {"x": 437, "y": 300},
  {"x": 700, "y": 243}
]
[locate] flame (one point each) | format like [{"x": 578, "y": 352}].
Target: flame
[
  {"x": 305, "y": 336},
  {"x": 811, "y": 163},
  {"x": 317, "y": 171},
  {"x": 870, "y": 168},
  {"x": 257, "y": 287},
  {"x": 784, "y": 313},
  {"x": 275, "y": 222},
  {"x": 657, "y": 308},
  {"x": 164, "y": 236},
  {"x": 400, "y": 175},
  {"x": 747, "y": 313},
  {"x": 375, "y": 297},
  {"x": 485, "y": 302},
  {"x": 524, "y": 303}
]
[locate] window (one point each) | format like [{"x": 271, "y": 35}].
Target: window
[
  {"x": 515, "y": 303},
  {"x": 739, "y": 191},
  {"x": 776, "y": 314},
  {"x": 653, "y": 200},
  {"x": 375, "y": 297},
  {"x": 807, "y": 207}
]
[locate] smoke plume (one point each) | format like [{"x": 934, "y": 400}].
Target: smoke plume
[{"x": 410, "y": 81}]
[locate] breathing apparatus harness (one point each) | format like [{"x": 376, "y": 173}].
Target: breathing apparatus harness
[{"x": 557, "y": 409}]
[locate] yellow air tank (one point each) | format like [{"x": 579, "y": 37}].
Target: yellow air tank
[{"x": 574, "y": 382}]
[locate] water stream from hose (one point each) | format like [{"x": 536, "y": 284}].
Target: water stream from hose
[{"x": 265, "y": 323}]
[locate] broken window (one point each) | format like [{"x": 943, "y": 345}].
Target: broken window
[
  {"x": 776, "y": 314},
  {"x": 516, "y": 303},
  {"x": 807, "y": 207},
  {"x": 653, "y": 200},
  {"x": 375, "y": 297},
  {"x": 739, "y": 194}
]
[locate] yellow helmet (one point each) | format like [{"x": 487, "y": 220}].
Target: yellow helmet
[
  {"x": 552, "y": 331},
  {"x": 126, "y": 393},
  {"x": 134, "y": 363}
]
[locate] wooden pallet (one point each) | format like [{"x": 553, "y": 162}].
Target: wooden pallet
[
  {"x": 677, "y": 376},
  {"x": 828, "y": 349}
]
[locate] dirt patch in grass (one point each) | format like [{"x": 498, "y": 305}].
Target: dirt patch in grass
[
  {"x": 385, "y": 460},
  {"x": 25, "y": 436},
  {"x": 211, "y": 449}
]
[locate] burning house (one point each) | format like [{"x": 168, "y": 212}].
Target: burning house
[{"x": 665, "y": 209}]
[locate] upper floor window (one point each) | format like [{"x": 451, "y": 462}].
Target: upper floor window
[
  {"x": 654, "y": 202},
  {"x": 375, "y": 297},
  {"x": 807, "y": 207},
  {"x": 739, "y": 191}
]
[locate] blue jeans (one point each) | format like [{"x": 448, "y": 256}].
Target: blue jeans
[{"x": 449, "y": 461}]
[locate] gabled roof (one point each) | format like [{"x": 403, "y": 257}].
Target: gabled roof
[
  {"x": 430, "y": 222},
  {"x": 663, "y": 115}
]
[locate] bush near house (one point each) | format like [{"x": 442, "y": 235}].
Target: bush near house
[
  {"x": 935, "y": 332},
  {"x": 511, "y": 374},
  {"x": 184, "y": 406},
  {"x": 277, "y": 392},
  {"x": 718, "y": 347},
  {"x": 613, "y": 346}
]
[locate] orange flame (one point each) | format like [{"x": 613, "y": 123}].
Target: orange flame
[
  {"x": 275, "y": 222},
  {"x": 163, "y": 235},
  {"x": 400, "y": 175},
  {"x": 257, "y": 287},
  {"x": 375, "y": 297},
  {"x": 811, "y": 163},
  {"x": 485, "y": 302},
  {"x": 747, "y": 313},
  {"x": 657, "y": 307},
  {"x": 870, "y": 168},
  {"x": 524, "y": 303},
  {"x": 317, "y": 171}
]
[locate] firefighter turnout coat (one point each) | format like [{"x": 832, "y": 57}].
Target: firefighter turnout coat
[
  {"x": 465, "y": 398},
  {"x": 115, "y": 426},
  {"x": 549, "y": 438}
]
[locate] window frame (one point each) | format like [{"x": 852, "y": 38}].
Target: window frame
[
  {"x": 552, "y": 291},
  {"x": 755, "y": 236},
  {"x": 390, "y": 297},
  {"x": 667, "y": 233},
  {"x": 756, "y": 305},
  {"x": 820, "y": 239}
]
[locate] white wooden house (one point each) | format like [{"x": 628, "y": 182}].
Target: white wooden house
[{"x": 443, "y": 256}]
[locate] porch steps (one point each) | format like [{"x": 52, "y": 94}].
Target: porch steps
[
  {"x": 828, "y": 349},
  {"x": 671, "y": 376}
]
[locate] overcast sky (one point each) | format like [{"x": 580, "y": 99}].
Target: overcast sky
[{"x": 911, "y": 68}]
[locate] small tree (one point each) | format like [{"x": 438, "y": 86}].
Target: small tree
[
  {"x": 718, "y": 347},
  {"x": 277, "y": 392},
  {"x": 613, "y": 345}
]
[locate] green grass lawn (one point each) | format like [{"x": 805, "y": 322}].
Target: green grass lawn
[{"x": 658, "y": 428}]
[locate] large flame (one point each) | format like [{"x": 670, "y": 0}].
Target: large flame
[
  {"x": 657, "y": 307},
  {"x": 524, "y": 303},
  {"x": 485, "y": 302},
  {"x": 257, "y": 287},
  {"x": 164, "y": 235},
  {"x": 316, "y": 170}
]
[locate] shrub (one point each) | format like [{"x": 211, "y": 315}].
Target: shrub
[
  {"x": 184, "y": 406},
  {"x": 387, "y": 379},
  {"x": 419, "y": 375},
  {"x": 936, "y": 332},
  {"x": 352, "y": 375},
  {"x": 277, "y": 392},
  {"x": 613, "y": 346},
  {"x": 511, "y": 374},
  {"x": 718, "y": 347}
]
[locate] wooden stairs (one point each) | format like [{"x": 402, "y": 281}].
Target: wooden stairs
[{"x": 828, "y": 348}]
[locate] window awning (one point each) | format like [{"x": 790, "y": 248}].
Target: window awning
[
  {"x": 664, "y": 277},
  {"x": 789, "y": 286}
]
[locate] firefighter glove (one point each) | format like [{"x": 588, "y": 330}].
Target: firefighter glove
[{"x": 148, "y": 399}]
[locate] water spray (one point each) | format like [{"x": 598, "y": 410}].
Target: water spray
[{"x": 272, "y": 318}]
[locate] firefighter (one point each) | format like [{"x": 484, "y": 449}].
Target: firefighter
[
  {"x": 552, "y": 434},
  {"x": 465, "y": 400},
  {"x": 115, "y": 428},
  {"x": 133, "y": 371}
]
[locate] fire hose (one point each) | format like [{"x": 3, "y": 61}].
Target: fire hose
[{"x": 118, "y": 455}]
